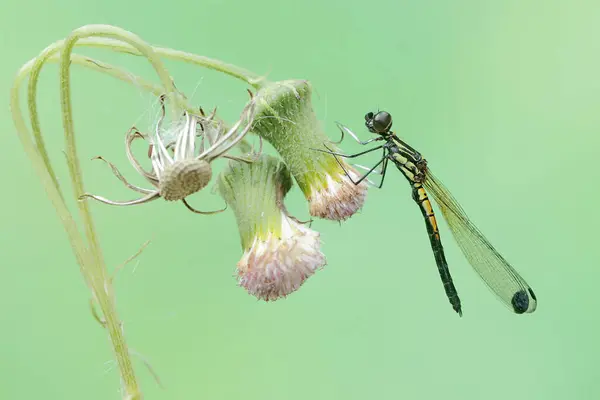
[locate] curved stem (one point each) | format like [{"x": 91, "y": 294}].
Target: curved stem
[
  {"x": 117, "y": 73},
  {"x": 252, "y": 79},
  {"x": 105, "y": 298},
  {"x": 49, "y": 55},
  {"x": 65, "y": 91},
  {"x": 50, "y": 185},
  {"x": 90, "y": 259},
  {"x": 45, "y": 174}
]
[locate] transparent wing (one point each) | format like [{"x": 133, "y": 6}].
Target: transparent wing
[{"x": 495, "y": 271}]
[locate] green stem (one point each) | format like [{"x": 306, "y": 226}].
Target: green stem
[
  {"x": 251, "y": 78},
  {"x": 90, "y": 260},
  {"x": 105, "y": 297},
  {"x": 120, "y": 74},
  {"x": 49, "y": 183},
  {"x": 45, "y": 174},
  {"x": 135, "y": 80}
]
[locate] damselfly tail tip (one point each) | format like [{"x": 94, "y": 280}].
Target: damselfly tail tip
[{"x": 524, "y": 301}]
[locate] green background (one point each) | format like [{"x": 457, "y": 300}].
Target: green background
[{"x": 502, "y": 98}]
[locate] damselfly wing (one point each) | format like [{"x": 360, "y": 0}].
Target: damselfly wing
[{"x": 495, "y": 271}]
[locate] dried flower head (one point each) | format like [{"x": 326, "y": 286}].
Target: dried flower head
[
  {"x": 285, "y": 118},
  {"x": 280, "y": 252},
  {"x": 180, "y": 162}
]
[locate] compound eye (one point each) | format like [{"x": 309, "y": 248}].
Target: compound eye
[
  {"x": 382, "y": 122},
  {"x": 368, "y": 116}
]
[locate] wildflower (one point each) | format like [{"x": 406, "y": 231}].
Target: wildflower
[
  {"x": 280, "y": 252},
  {"x": 285, "y": 117},
  {"x": 180, "y": 165}
]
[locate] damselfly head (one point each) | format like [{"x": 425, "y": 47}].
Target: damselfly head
[{"x": 379, "y": 123}]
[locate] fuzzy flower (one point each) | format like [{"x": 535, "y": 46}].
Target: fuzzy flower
[
  {"x": 180, "y": 161},
  {"x": 280, "y": 253},
  {"x": 286, "y": 119}
]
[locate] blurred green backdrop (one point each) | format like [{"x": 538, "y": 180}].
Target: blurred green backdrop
[{"x": 503, "y": 98}]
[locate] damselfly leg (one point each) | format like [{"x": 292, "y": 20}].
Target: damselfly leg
[
  {"x": 362, "y": 178},
  {"x": 344, "y": 129},
  {"x": 380, "y": 172}
]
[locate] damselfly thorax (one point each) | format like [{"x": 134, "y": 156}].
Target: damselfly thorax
[{"x": 409, "y": 161}]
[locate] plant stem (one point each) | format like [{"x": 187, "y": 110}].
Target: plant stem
[
  {"x": 47, "y": 55},
  {"x": 135, "y": 80},
  {"x": 90, "y": 258},
  {"x": 104, "y": 294},
  {"x": 48, "y": 180},
  {"x": 252, "y": 79},
  {"x": 65, "y": 92},
  {"x": 118, "y": 73}
]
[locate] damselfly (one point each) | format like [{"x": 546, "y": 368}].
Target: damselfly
[{"x": 495, "y": 271}]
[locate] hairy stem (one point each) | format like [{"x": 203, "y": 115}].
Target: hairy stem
[
  {"x": 90, "y": 259},
  {"x": 104, "y": 294},
  {"x": 45, "y": 174},
  {"x": 87, "y": 252},
  {"x": 252, "y": 79},
  {"x": 49, "y": 55}
]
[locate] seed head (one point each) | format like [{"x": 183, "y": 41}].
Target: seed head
[
  {"x": 180, "y": 162},
  {"x": 183, "y": 178}
]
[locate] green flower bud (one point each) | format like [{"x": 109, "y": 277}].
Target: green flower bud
[{"x": 286, "y": 119}]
